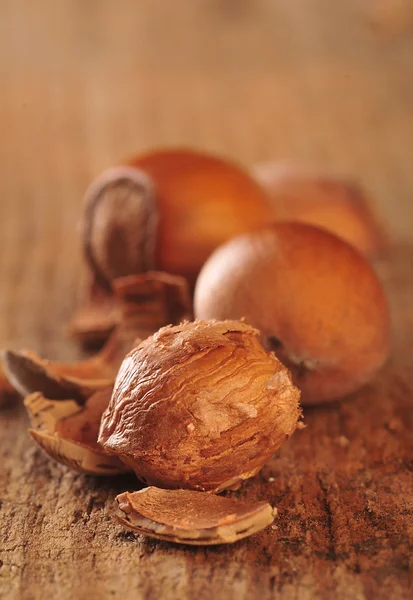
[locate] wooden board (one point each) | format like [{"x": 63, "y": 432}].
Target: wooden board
[{"x": 85, "y": 83}]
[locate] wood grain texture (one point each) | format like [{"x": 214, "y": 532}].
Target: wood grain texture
[{"x": 85, "y": 83}]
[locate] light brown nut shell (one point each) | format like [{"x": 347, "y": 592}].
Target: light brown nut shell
[
  {"x": 188, "y": 517},
  {"x": 342, "y": 206},
  {"x": 68, "y": 432},
  {"x": 28, "y": 373},
  {"x": 151, "y": 300},
  {"x": 144, "y": 303},
  {"x": 138, "y": 305},
  {"x": 200, "y": 406},
  {"x": 95, "y": 316}
]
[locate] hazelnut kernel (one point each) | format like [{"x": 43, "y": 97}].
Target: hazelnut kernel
[{"x": 219, "y": 375}]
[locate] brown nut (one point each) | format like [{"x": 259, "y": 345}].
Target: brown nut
[
  {"x": 317, "y": 302},
  {"x": 336, "y": 204},
  {"x": 188, "y": 517},
  {"x": 68, "y": 432},
  {"x": 167, "y": 210},
  {"x": 200, "y": 406}
]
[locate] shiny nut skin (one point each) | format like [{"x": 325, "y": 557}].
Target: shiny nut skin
[{"x": 317, "y": 302}]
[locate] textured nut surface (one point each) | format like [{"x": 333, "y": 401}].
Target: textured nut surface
[
  {"x": 188, "y": 517},
  {"x": 315, "y": 299},
  {"x": 200, "y": 406},
  {"x": 68, "y": 432}
]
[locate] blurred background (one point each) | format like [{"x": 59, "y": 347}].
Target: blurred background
[{"x": 84, "y": 83}]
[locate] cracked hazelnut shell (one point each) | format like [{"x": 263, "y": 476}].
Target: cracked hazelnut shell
[
  {"x": 317, "y": 302},
  {"x": 28, "y": 373},
  {"x": 68, "y": 432},
  {"x": 143, "y": 302},
  {"x": 167, "y": 210},
  {"x": 188, "y": 517},
  {"x": 325, "y": 200},
  {"x": 199, "y": 406},
  {"x": 156, "y": 299}
]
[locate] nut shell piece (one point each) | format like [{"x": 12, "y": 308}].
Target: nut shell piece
[
  {"x": 137, "y": 303},
  {"x": 29, "y": 373},
  {"x": 200, "y": 406},
  {"x": 68, "y": 432},
  {"x": 188, "y": 517},
  {"x": 144, "y": 303},
  {"x": 95, "y": 316}
]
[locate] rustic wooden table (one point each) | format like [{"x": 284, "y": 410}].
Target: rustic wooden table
[{"x": 84, "y": 83}]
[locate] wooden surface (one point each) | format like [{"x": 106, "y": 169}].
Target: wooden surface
[{"x": 84, "y": 83}]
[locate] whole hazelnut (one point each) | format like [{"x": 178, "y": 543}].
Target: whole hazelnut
[
  {"x": 317, "y": 302},
  {"x": 167, "y": 210},
  {"x": 299, "y": 193},
  {"x": 199, "y": 406}
]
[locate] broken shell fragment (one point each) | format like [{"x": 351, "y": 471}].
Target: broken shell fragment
[
  {"x": 144, "y": 303},
  {"x": 29, "y": 373},
  {"x": 189, "y": 517},
  {"x": 68, "y": 433},
  {"x": 154, "y": 298},
  {"x": 95, "y": 316}
]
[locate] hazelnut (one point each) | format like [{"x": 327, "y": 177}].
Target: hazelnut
[
  {"x": 165, "y": 210},
  {"x": 336, "y": 204},
  {"x": 317, "y": 302},
  {"x": 188, "y": 517},
  {"x": 68, "y": 432},
  {"x": 199, "y": 406}
]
